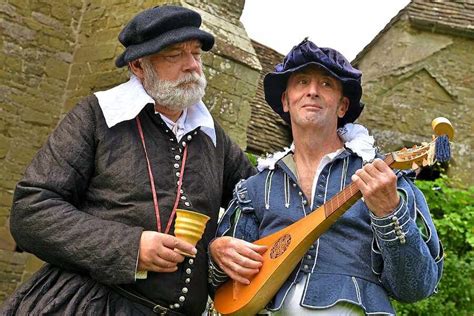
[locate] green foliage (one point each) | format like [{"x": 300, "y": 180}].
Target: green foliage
[
  {"x": 252, "y": 158},
  {"x": 452, "y": 208}
]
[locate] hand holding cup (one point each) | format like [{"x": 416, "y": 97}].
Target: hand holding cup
[{"x": 189, "y": 226}]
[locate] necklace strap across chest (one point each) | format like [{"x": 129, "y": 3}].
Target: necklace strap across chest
[{"x": 152, "y": 182}]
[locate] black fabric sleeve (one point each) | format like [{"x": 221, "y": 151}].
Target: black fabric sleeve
[{"x": 45, "y": 218}]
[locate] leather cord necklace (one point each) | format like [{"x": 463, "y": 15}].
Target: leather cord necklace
[{"x": 152, "y": 183}]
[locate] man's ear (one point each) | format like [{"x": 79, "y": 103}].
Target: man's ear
[
  {"x": 137, "y": 69},
  {"x": 343, "y": 107},
  {"x": 285, "y": 102}
]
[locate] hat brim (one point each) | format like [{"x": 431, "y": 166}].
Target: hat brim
[
  {"x": 275, "y": 84},
  {"x": 156, "y": 44}
]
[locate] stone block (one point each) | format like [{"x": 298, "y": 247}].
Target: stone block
[
  {"x": 65, "y": 33},
  {"x": 4, "y": 120},
  {"x": 62, "y": 12},
  {"x": 106, "y": 35},
  {"x": 43, "y": 42},
  {"x": 52, "y": 90},
  {"x": 13, "y": 63},
  {"x": 4, "y": 213},
  {"x": 108, "y": 65},
  {"x": 216, "y": 61},
  {"x": 21, "y": 99},
  {"x": 6, "y": 198},
  {"x": 6, "y": 240},
  {"x": 93, "y": 53},
  {"x": 7, "y": 277},
  {"x": 124, "y": 3},
  {"x": 7, "y": 172},
  {"x": 33, "y": 264},
  {"x": 12, "y": 48},
  {"x": 46, "y": 104},
  {"x": 41, "y": 6},
  {"x": 32, "y": 69},
  {"x": 19, "y": 258},
  {"x": 207, "y": 59},
  {"x": 56, "y": 68},
  {"x": 73, "y": 83},
  {"x": 17, "y": 32},
  {"x": 223, "y": 82},
  {"x": 21, "y": 154},
  {"x": 16, "y": 270},
  {"x": 226, "y": 109},
  {"x": 245, "y": 112},
  {"x": 36, "y": 117},
  {"x": 4, "y": 258},
  {"x": 245, "y": 89},
  {"x": 47, "y": 20},
  {"x": 117, "y": 22},
  {"x": 60, "y": 45},
  {"x": 247, "y": 74},
  {"x": 65, "y": 56},
  {"x": 4, "y": 146},
  {"x": 21, "y": 4},
  {"x": 31, "y": 135},
  {"x": 6, "y": 209},
  {"x": 93, "y": 14},
  {"x": 80, "y": 69}
]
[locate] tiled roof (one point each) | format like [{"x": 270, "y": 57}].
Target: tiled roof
[
  {"x": 267, "y": 132},
  {"x": 456, "y": 17}
]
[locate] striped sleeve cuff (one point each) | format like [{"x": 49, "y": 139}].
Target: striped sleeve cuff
[
  {"x": 216, "y": 275},
  {"x": 393, "y": 227}
]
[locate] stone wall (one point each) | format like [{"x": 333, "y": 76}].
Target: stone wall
[
  {"x": 54, "y": 53},
  {"x": 423, "y": 75}
]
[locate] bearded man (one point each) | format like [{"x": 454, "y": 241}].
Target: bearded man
[{"x": 98, "y": 201}]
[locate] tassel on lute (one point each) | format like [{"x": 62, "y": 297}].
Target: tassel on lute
[{"x": 443, "y": 150}]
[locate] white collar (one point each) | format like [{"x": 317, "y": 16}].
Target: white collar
[
  {"x": 125, "y": 101},
  {"x": 355, "y": 137}
]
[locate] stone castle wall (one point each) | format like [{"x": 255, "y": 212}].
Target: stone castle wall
[{"x": 423, "y": 75}]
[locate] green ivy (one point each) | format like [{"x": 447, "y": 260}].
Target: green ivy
[
  {"x": 452, "y": 208},
  {"x": 252, "y": 158}
]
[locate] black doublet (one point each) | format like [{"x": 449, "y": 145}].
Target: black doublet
[{"x": 86, "y": 198}]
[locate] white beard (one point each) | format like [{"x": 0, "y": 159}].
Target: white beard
[{"x": 175, "y": 95}]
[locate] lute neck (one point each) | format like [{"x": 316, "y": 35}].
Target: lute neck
[{"x": 343, "y": 200}]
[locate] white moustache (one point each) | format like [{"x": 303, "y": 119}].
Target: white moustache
[{"x": 192, "y": 77}]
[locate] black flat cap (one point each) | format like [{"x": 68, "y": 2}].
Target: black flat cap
[{"x": 154, "y": 29}]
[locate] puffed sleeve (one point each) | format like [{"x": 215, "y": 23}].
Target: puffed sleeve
[{"x": 239, "y": 221}]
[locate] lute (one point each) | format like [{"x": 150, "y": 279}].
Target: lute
[{"x": 287, "y": 246}]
